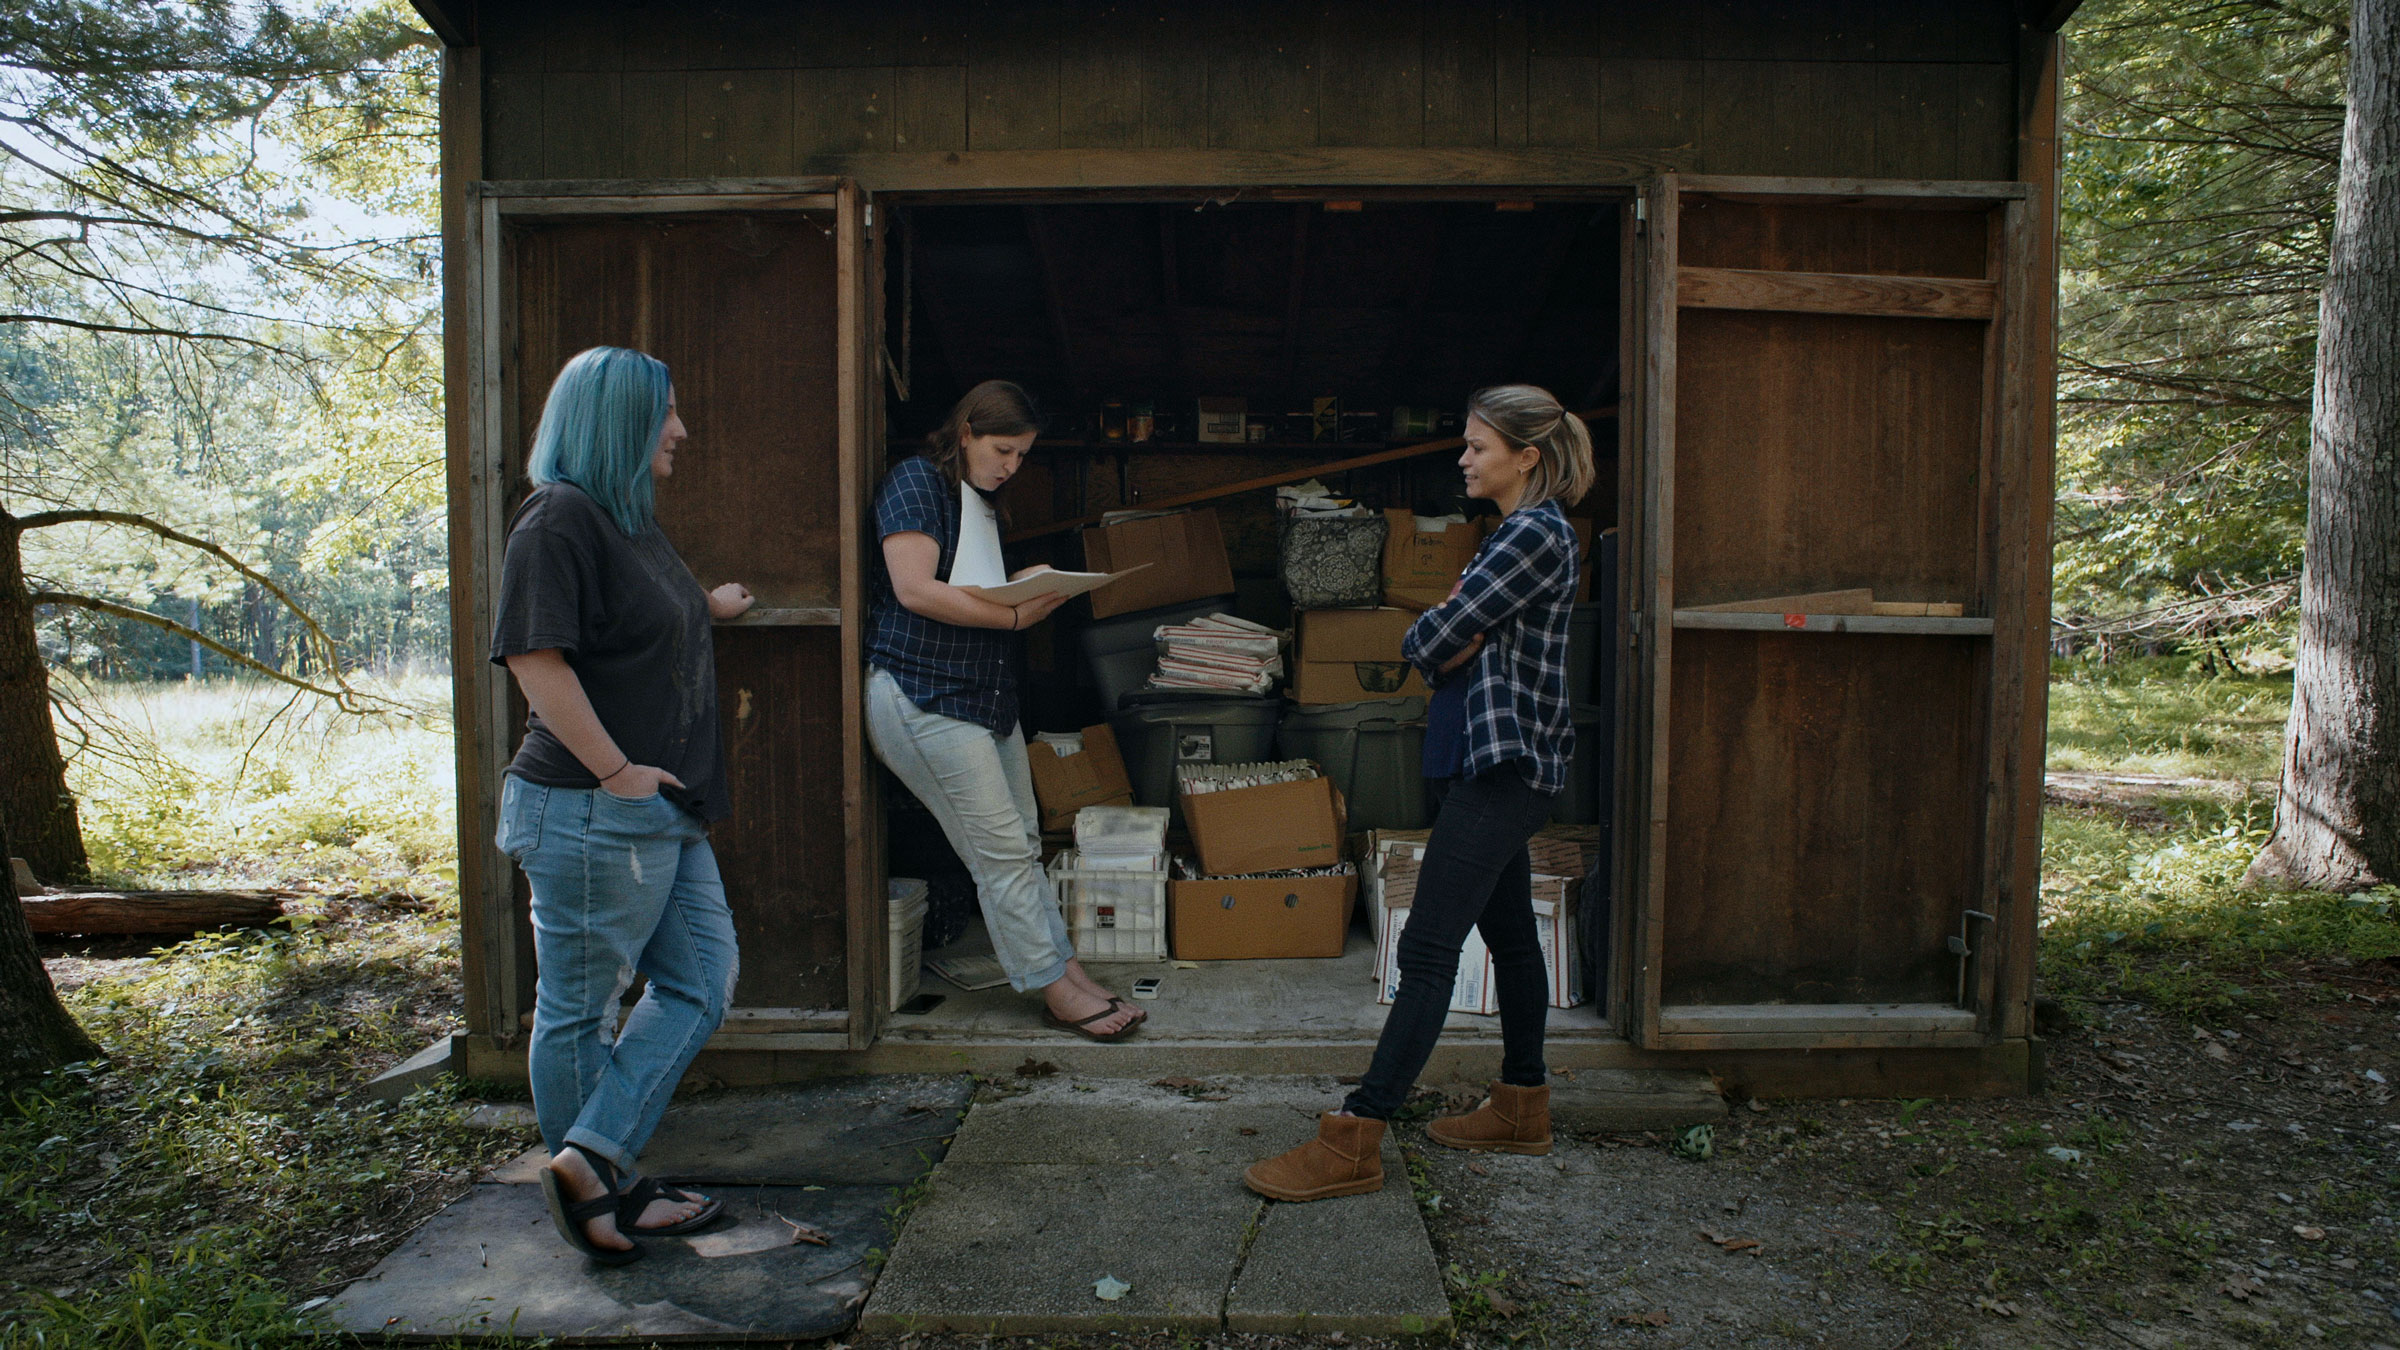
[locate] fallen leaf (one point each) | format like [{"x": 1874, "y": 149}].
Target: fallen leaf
[
  {"x": 1502, "y": 1305},
  {"x": 1213, "y": 1097},
  {"x": 1998, "y": 1307},
  {"x": 1656, "y": 1317},
  {"x": 2243, "y": 1288},
  {"x": 2216, "y": 1050},
  {"x": 2308, "y": 1232},
  {"x": 1741, "y": 1244},
  {"x": 1108, "y": 1288},
  {"x": 1177, "y": 1084},
  {"x": 1247, "y": 1130},
  {"x": 1036, "y": 1068},
  {"x": 803, "y": 1233},
  {"x": 1479, "y": 1169},
  {"x": 1758, "y": 1106}
]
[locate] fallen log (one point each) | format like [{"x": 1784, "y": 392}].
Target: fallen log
[{"x": 149, "y": 912}]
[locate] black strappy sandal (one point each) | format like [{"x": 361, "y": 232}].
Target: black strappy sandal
[
  {"x": 572, "y": 1215},
  {"x": 638, "y": 1197}
]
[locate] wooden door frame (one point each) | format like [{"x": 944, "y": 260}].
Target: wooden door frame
[
  {"x": 2005, "y": 469},
  {"x": 495, "y": 988}
]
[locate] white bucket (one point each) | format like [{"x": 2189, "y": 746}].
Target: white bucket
[{"x": 907, "y": 911}]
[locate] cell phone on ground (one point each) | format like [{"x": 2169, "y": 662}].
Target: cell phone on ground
[
  {"x": 922, "y": 1003},
  {"x": 1146, "y": 987}
]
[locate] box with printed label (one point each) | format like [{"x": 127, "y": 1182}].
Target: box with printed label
[
  {"x": 1346, "y": 655},
  {"x": 1186, "y": 553},
  {"x": 1066, "y": 783},
  {"x": 1423, "y": 557},
  {"x": 1472, "y": 992},
  {"x": 1265, "y": 828},
  {"x": 1236, "y": 918}
]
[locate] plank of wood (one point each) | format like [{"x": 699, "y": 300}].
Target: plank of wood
[
  {"x": 929, "y": 108},
  {"x": 1832, "y": 623},
  {"x": 1790, "y": 1017},
  {"x": 1858, "y": 601},
  {"x": 1370, "y": 73},
  {"x": 1045, "y": 170},
  {"x": 1835, "y": 293},
  {"x": 656, "y": 142},
  {"x": 842, "y": 109},
  {"x": 92, "y": 912},
  {"x": 1276, "y": 479},
  {"x": 583, "y": 124},
  {"x": 1921, "y": 609},
  {"x": 1932, "y": 193},
  {"x": 1459, "y": 81},
  {"x": 784, "y": 618}
]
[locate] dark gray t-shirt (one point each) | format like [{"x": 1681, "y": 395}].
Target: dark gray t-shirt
[{"x": 633, "y": 623}]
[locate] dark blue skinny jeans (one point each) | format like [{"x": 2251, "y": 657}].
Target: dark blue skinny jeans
[{"x": 1476, "y": 876}]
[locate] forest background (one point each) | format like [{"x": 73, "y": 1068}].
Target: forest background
[{"x": 250, "y": 352}]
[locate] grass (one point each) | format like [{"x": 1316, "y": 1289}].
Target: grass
[
  {"x": 2160, "y": 715},
  {"x": 227, "y": 783}
]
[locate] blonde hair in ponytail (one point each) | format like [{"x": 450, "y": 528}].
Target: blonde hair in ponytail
[{"x": 1525, "y": 415}]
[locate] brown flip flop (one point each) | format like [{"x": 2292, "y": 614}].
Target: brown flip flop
[
  {"x": 1083, "y": 1027},
  {"x": 1140, "y": 1015}
]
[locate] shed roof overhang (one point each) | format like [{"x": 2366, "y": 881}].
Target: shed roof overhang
[{"x": 454, "y": 20}]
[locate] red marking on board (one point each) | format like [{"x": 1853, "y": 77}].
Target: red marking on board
[{"x": 1795, "y": 621}]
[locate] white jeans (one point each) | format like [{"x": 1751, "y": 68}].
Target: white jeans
[{"x": 980, "y": 787}]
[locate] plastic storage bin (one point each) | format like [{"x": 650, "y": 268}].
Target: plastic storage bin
[
  {"x": 906, "y": 911},
  {"x": 1113, "y": 913},
  {"x": 1119, "y": 651},
  {"x": 1587, "y": 628},
  {"x": 1162, "y": 728},
  {"x": 1118, "y": 831},
  {"x": 1373, "y": 750},
  {"x": 1590, "y": 774}
]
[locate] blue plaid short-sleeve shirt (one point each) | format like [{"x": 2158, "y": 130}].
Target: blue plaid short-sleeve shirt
[{"x": 966, "y": 673}]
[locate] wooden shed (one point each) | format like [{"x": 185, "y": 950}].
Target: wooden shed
[{"x": 1799, "y": 253}]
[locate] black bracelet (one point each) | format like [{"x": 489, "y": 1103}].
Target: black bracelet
[{"x": 618, "y": 770}]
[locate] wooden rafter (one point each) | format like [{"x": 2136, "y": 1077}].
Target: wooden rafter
[{"x": 1037, "y": 228}]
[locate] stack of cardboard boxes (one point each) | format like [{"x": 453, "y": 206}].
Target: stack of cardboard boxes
[{"x": 1270, "y": 879}]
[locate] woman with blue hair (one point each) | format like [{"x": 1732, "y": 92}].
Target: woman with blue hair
[{"x": 607, "y": 804}]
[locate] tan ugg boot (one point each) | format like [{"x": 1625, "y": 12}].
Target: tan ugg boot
[
  {"x": 1511, "y": 1120},
  {"x": 1346, "y": 1158}
]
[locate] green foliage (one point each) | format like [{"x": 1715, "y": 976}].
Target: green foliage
[
  {"x": 240, "y": 783},
  {"x": 2200, "y": 145}
]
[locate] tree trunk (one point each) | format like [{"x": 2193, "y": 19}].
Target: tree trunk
[
  {"x": 36, "y": 1034},
  {"x": 2337, "y": 818},
  {"x": 34, "y": 803}
]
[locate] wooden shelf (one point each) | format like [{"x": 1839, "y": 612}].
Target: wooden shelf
[
  {"x": 1832, "y": 623},
  {"x": 1082, "y": 445},
  {"x": 785, "y": 618}
]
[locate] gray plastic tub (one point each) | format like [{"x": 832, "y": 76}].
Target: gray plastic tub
[
  {"x": 1160, "y": 729},
  {"x": 1373, "y": 750}
]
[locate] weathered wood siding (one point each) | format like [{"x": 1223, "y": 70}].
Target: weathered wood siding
[{"x": 1829, "y": 88}]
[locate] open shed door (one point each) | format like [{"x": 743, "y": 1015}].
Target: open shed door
[
  {"x": 761, "y": 297},
  {"x": 1830, "y": 404}
]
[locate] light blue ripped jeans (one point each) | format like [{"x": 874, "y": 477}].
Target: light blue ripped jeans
[
  {"x": 619, "y": 885},
  {"x": 980, "y": 787}
]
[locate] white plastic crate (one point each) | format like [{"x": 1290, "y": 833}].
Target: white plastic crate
[{"x": 1113, "y": 914}]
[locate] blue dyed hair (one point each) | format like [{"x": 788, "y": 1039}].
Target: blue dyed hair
[{"x": 599, "y": 429}]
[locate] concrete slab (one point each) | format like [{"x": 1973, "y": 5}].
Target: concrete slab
[
  {"x": 1047, "y": 1192},
  {"x": 492, "y": 1265},
  {"x": 1599, "y": 1100},
  {"x": 847, "y": 1131},
  {"x": 418, "y": 1070},
  {"x": 1010, "y": 1249},
  {"x": 1361, "y": 1265}
]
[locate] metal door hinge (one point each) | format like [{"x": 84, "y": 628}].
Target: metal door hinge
[
  {"x": 1963, "y": 950},
  {"x": 870, "y": 217},
  {"x": 1641, "y": 215}
]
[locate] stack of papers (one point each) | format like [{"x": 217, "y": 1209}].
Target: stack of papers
[
  {"x": 1121, "y": 838},
  {"x": 1219, "y": 652},
  {"x": 1313, "y": 498}
]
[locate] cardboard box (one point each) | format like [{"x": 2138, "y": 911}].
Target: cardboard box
[
  {"x": 1222, "y": 421},
  {"x": 1234, "y": 918},
  {"x": 1267, "y": 828},
  {"x": 1187, "y": 549},
  {"x": 1093, "y": 776},
  {"x": 1472, "y": 992},
  {"x": 1350, "y": 654},
  {"x": 1421, "y": 565}
]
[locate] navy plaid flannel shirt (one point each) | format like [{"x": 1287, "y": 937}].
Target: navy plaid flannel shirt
[
  {"x": 944, "y": 668},
  {"x": 1519, "y": 593}
]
